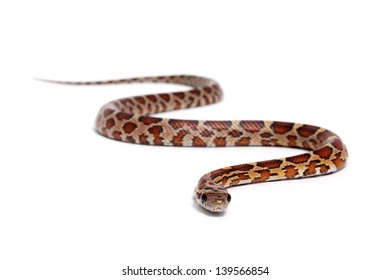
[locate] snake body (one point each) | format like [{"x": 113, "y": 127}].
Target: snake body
[{"x": 130, "y": 120}]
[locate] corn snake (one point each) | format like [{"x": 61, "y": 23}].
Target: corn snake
[{"x": 129, "y": 120}]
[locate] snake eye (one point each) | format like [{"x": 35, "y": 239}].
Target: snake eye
[
  {"x": 229, "y": 198},
  {"x": 204, "y": 197}
]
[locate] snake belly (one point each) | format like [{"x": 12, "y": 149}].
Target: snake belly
[{"x": 130, "y": 120}]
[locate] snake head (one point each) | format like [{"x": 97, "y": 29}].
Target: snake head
[{"x": 212, "y": 196}]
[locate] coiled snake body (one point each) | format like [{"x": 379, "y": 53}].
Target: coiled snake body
[{"x": 129, "y": 120}]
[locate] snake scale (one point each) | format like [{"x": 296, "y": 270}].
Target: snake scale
[{"x": 130, "y": 120}]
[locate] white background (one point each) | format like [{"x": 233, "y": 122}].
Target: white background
[{"x": 75, "y": 205}]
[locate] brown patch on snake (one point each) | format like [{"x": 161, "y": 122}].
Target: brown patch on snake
[
  {"x": 129, "y": 127},
  {"x": 206, "y": 99},
  {"x": 126, "y": 102},
  {"x": 337, "y": 144},
  {"x": 130, "y": 139},
  {"x": 266, "y": 142},
  {"x": 307, "y": 130},
  {"x": 146, "y": 120},
  {"x": 143, "y": 139},
  {"x": 234, "y": 179},
  {"x": 313, "y": 142},
  {"x": 140, "y": 99},
  {"x": 207, "y": 133},
  {"x": 220, "y": 142},
  {"x": 324, "y": 152},
  {"x": 252, "y": 126},
  {"x": 299, "y": 158},
  {"x": 164, "y": 96},
  {"x": 177, "y": 105},
  {"x": 108, "y": 112},
  {"x": 163, "y": 106},
  {"x": 117, "y": 135},
  {"x": 218, "y": 125},
  {"x": 235, "y": 133},
  {"x": 151, "y": 97},
  {"x": 244, "y": 167},
  {"x": 324, "y": 135},
  {"x": 155, "y": 131},
  {"x": 123, "y": 116},
  {"x": 292, "y": 140},
  {"x": 338, "y": 161},
  {"x": 281, "y": 127},
  {"x": 290, "y": 171},
  {"x": 149, "y": 108},
  {"x": 217, "y": 175},
  {"x": 195, "y": 92},
  {"x": 273, "y": 163},
  {"x": 324, "y": 168},
  {"x": 180, "y": 95},
  {"x": 110, "y": 123},
  {"x": 207, "y": 89},
  {"x": 244, "y": 141},
  {"x": 177, "y": 140},
  {"x": 190, "y": 102},
  {"x": 264, "y": 176},
  {"x": 306, "y": 145},
  {"x": 177, "y": 124},
  {"x": 216, "y": 87},
  {"x": 198, "y": 142},
  {"x": 311, "y": 168},
  {"x": 266, "y": 135}
]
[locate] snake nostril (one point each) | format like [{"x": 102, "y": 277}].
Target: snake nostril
[
  {"x": 204, "y": 197},
  {"x": 229, "y": 198}
]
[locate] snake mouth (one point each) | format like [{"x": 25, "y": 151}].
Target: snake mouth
[
  {"x": 218, "y": 205},
  {"x": 219, "y": 209}
]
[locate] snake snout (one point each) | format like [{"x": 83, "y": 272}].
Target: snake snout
[{"x": 219, "y": 203}]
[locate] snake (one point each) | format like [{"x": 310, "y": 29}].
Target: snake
[{"x": 132, "y": 120}]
